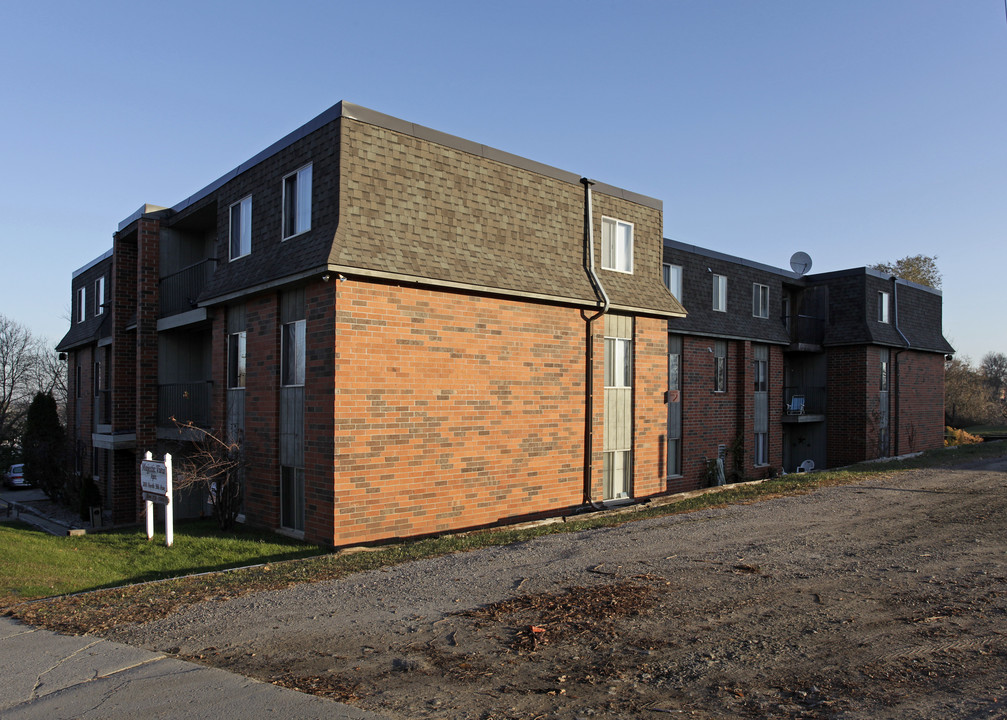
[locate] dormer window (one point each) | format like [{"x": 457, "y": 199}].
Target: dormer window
[
  {"x": 241, "y": 228},
  {"x": 672, "y": 275},
  {"x": 616, "y": 245},
  {"x": 297, "y": 202},
  {"x": 99, "y": 295},
  {"x": 760, "y": 300},
  {"x": 883, "y": 307},
  {"x": 720, "y": 293},
  {"x": 81, "y": 304}
]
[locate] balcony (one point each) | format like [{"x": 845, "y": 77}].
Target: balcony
[
  {"x": 103, "y": 407},
  {"x": 180, "y": 289},
  {"x": 806, "y": 332},
  {"x": 815, "y": 405},
  {"x": 186, "y": 402}
]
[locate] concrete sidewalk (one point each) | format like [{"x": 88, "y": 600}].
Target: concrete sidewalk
[{"x": 50, "y": 676}]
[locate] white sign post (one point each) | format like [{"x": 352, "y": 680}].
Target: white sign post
[{"x": 155, "y": 481}]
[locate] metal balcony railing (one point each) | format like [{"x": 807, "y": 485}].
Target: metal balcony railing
[
  {"x": 805, "y": 329},
  {"x": 185, "y": 402},
  {"x": 180, "y": 289},
  {"x": 814, "y": 398}
]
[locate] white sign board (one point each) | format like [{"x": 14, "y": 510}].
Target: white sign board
[
  {"x": 155, "y": 482},
  {"x": 154, "y": 477}
]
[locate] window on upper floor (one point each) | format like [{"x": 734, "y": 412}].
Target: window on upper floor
[
  {"x": 616, "y": 245},
  {"x": 297, "y": 202},
  {"x": 885, "y": 358},
  {"x": 292, "y": 353},
  {"x": 236, "y": 360},
  {"x": 99, "y": 295},
  {"x": 720, "y": 366},
  {"x": 241, "y": 228},
  {"x": 96, "y": 379},
  {"x": 760, "y": 300},
  {"x": 81, "y": 304},
  {"x": 672, "y": 275},
  {"x": 883, "y": 307},
  {"x": 720, "y": 293}
]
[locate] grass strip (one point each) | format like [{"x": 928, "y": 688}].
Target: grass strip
[{"x": 102, "y": 610}]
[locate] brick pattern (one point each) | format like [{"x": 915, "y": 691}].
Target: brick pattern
[
  {"x": 148, "y": 254},
  {"x": 319, "y": 410},
  {"x": 650, "y": 381},
  {"x": 262, "y": 488},
  {"x": 711, "y": 419},
  {"x": 920, "y": 403},
  {"x": 453, "y": 411}
]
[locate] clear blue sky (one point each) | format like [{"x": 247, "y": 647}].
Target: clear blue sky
[{"x": 857, "y": 131}]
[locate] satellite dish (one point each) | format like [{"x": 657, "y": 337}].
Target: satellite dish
[{"x": 800, "y": 262}]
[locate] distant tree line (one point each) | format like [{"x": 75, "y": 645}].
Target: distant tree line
[
  {"x": 975, "y": 394},
  {"x": 28, "y": 365}
]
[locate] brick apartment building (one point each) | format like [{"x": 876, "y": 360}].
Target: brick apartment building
[
  {"x": 407, "y": 327},
  {"x": 415, "y": 333},
  {"x": 861, "y": 351}
]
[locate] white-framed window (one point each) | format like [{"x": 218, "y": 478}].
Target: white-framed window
[
  {"x": 883, "y": 307},
  {"x": 760, "y": 300},
  {"x": 297, "y": 202},
  {"x": 99, "y": 295},
  {"x": 236, "y": 362},
  {"x": 81, "y": 304},
  {"x": 615, "y": 474},
  {"x": 241, "y": 228},
  {"x": 720, "y": 366},
  {"x": 616, "y": 245},
  {"x": 720, "y": 293},
  {"x": 672, "y": 275},
  {"x": 618, "y": 362},
  {"x": 885, "y": 358},
  {"x": 292, "y": 353},
  {"x": 761, "y": 448}
]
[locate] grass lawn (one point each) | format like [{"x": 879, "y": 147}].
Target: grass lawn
[
  {"x": 34, "y": 564},
  {"x": 985, "y": 430}
]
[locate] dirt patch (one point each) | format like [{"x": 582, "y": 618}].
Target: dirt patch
[{"x": 884, "y": 599}]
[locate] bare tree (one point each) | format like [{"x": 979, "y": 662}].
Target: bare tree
[
  {"x": 966, "y": 400},
  {"x": 19, "y": 354},
  {"x": 217, "y": 467},
  {"x": 994, "y": 369}
]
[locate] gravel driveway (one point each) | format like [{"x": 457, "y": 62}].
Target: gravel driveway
[{"x": 883, "y": 599}]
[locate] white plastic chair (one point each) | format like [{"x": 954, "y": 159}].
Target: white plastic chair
[{"x": 806, "y": 466}]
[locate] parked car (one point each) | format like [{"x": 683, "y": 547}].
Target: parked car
[{"x": 15, "y": 476}]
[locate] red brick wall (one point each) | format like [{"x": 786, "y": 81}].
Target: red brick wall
[
  {"x": 319, "y": 419},
  {"x": 776, "y": 402},
  {"x": 147, "y": 310},
  {"x": 849, "y": 404},
  {"x": 650, "y": 382},
  {"x": 262, "y": 488},
  {"x": 453, "y": 411},
  {"x": 710, "y": 419},
  {"x": 920, "y": 403}
]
